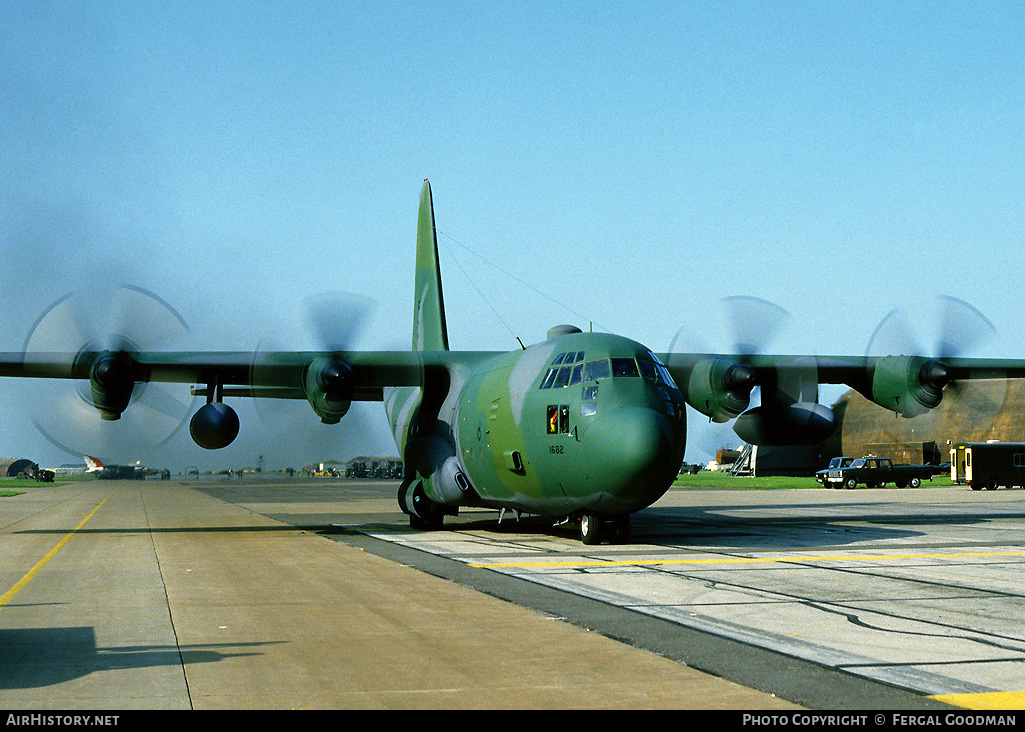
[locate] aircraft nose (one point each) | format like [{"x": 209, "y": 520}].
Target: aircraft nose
[{"x": 630, "y": 446}]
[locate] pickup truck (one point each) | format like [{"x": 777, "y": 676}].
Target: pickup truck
[
  {"x": 875, "y": 472},
  {"x": 838, "y": 462}
]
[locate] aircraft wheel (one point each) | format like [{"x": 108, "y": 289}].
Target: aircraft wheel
[
  {"x": 403, "y": 490},
  {"x": 590, "y": 528},
  {"x": 424, "y": 513},
  {"x": 433, "y": 520}
]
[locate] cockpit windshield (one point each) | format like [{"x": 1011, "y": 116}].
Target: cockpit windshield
[{"x": 569, "y": 369}]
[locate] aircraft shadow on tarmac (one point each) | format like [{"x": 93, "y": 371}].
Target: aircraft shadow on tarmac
[
  {"x": 711, "y": 526},
  {"x": 40, "y": 657}
]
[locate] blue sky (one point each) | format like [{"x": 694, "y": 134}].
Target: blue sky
[{"x": 625, "y": 165}]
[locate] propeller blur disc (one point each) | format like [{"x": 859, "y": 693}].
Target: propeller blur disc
[
  {"x": 942, "y": 328},
  {"x": 125, "y": 318},
  {"x": 332, "y": 322}
]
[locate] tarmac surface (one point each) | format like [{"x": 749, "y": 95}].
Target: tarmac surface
[
  {"x": 308, "y": 594},
  {"x": 156, "y": 595}
]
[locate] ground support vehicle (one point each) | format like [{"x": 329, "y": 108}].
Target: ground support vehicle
[
  {"x": 876, "y": 472},
  {"x": 836, "y": 463},
  {"x": 988, "y": 465}
]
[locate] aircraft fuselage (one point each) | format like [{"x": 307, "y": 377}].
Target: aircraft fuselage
[{"x": 581, "y": 423}]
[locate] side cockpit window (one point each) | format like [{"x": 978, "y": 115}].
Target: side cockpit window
[{"x": 656, "y": 371}]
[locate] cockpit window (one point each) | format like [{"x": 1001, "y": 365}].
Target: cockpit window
[
  {"x": 566, "y": 370},
  {"x": 624, "y": 367},
  {"x": 597, "y": 370},
  {"x": 655, "y": 370},
  {"x": 571, "y": 357}
]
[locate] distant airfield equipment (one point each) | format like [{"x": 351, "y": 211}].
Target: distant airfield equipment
[
  {"x": 585, "y": 427},
  {"x": 385, "y": 468},
  {"x": 122, "y": 472}
]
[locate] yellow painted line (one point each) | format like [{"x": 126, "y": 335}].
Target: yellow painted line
[
  {"x": 736, "y": 560},
  {"x": 986, "y": 700},
  {"x": 30, "y": 575}
]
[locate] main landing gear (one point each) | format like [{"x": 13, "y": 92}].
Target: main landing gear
[
  {"x": 423, "y": 512},
  {"x": 594, "y": 528}
]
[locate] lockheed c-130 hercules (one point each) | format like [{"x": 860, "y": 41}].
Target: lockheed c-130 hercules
[{"x": 589, "y": 427}]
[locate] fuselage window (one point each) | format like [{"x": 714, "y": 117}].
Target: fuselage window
[
  {"x": 558, "y": 419},
  {"x": 624, "y": 367},
  {"x": 588, "y": 397}
]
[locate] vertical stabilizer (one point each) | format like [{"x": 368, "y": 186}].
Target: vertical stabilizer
[{"x": 429, "y": 330}]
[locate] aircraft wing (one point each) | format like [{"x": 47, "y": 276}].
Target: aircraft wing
[
  {"x": 720, "y": 386},
  {"x": 318, "y": 376},
  {"x": 329, "y": 381},
  {"x": 273, "y": 373},
  {"x": 716, "y": 385}
]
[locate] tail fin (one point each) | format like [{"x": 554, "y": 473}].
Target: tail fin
[
  {"x": 429, "y": 330},
  {"x": 92, "y": 464}
]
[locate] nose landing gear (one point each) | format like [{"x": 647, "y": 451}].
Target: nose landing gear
[{"x": 594, "y": 528}]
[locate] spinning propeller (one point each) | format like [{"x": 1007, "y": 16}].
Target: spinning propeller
[
  {"x": 721, "y": 386},
  {"x": 334, "y": 322},
  {"x": 915, "y": 386},
  {"x": 103, "y": 330}
]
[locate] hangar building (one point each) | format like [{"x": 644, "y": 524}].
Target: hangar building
[
  {"x": 974, "y": 411},
  {"x": 14, "y": 468}
]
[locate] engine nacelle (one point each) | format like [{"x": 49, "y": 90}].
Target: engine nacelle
[
  {"x": 111, "y": 382},
  {"x": 720, "y": 388},
  {"x": 908, "y": 385},
  {"x": 214, "y": 426},
  {"x": 328, "y": 388},
  {"x": 802, "y": 423}
]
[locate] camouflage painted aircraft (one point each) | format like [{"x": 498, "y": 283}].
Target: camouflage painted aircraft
[{"x": 587, "y": 427}]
